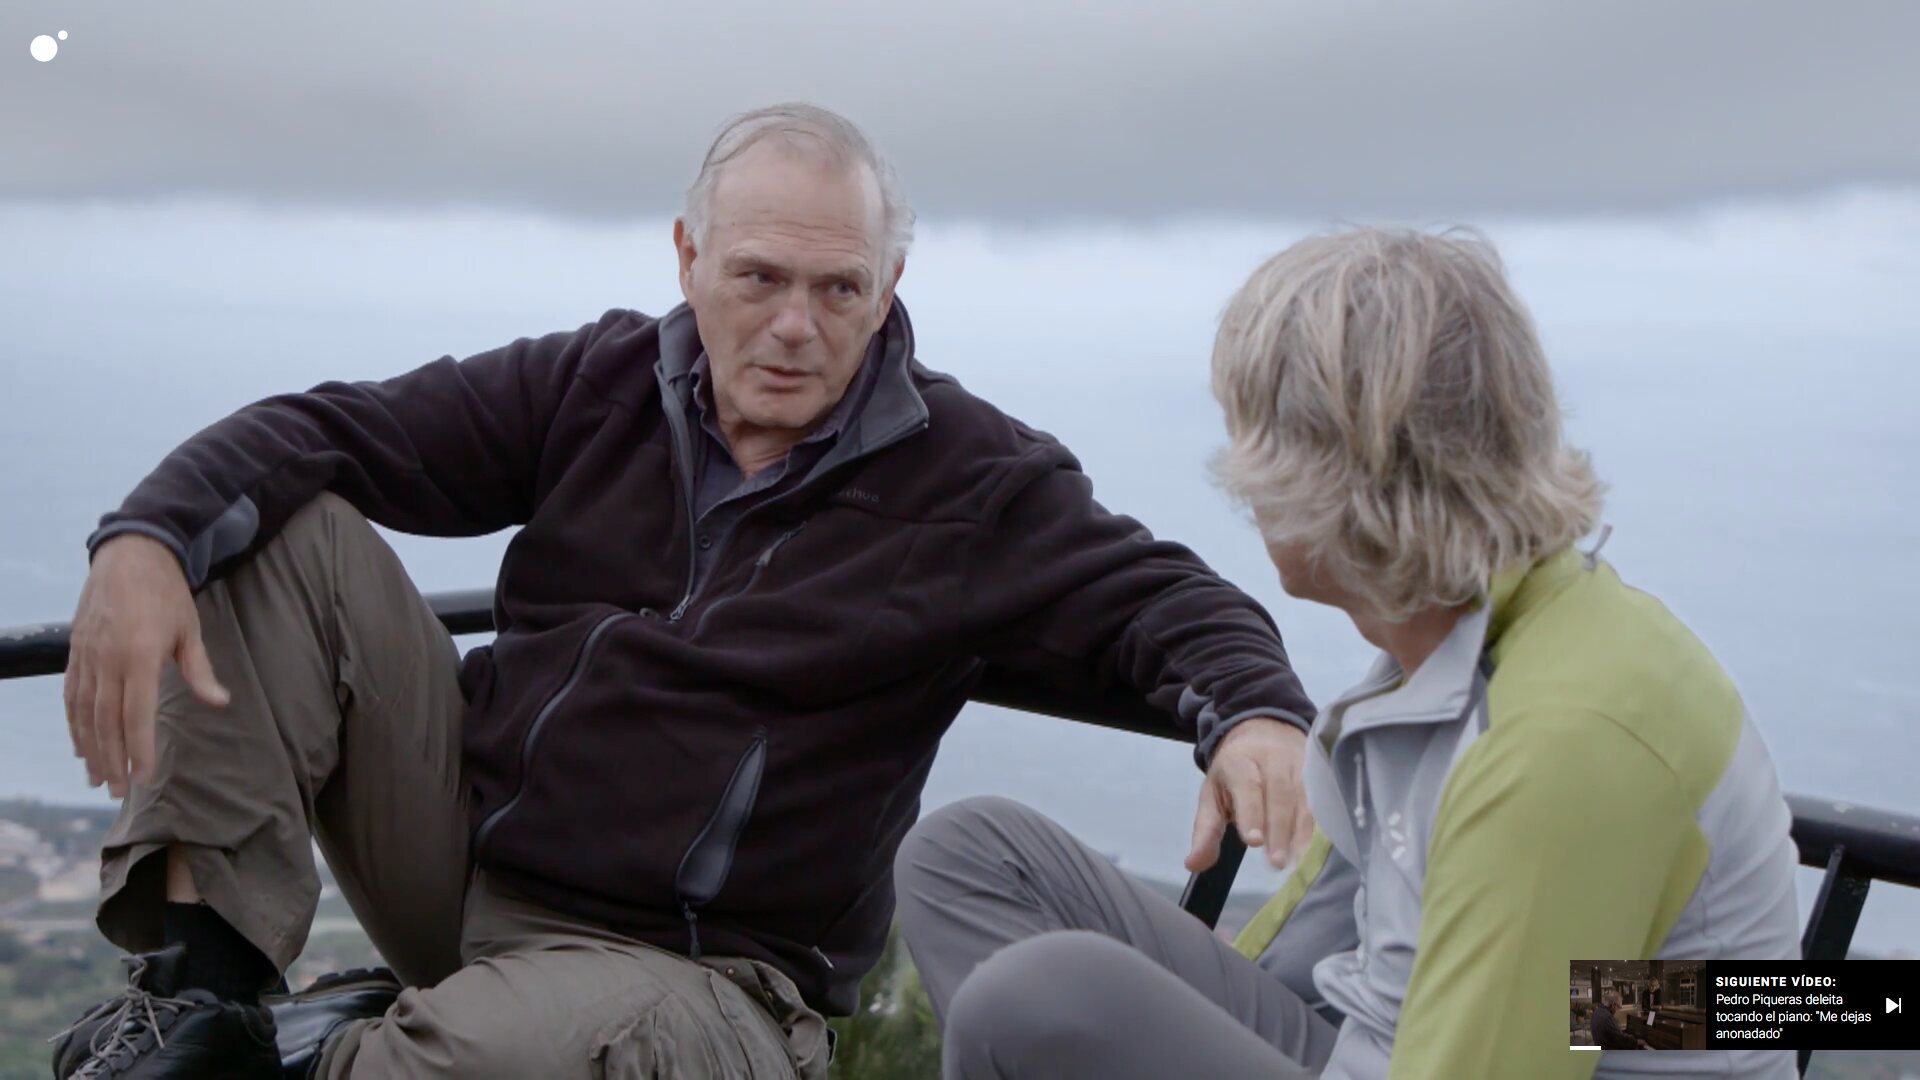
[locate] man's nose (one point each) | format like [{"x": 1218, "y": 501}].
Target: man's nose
[{"x": 793, "y": 324}]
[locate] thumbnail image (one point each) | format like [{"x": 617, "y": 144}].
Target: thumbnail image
[{"x": 1637, "y": 1004}]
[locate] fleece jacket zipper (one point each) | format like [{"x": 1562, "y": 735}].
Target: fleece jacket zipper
[
  {"x": 540, "y": 721},
  {"x": 704, "y": 868},
  {"x": 759, "y": 567}
]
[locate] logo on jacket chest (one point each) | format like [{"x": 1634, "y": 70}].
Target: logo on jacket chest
[
  {"x": 1394, "y": 837},
  {"x": 859, "y": 495}
]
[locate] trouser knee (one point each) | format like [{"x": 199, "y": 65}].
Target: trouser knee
[
  {"x": 1031, "y": 1002},
  {"x": 957, "y": 834}
]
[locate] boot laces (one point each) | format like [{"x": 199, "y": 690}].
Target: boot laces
[{"x": 120, "y": 1039}]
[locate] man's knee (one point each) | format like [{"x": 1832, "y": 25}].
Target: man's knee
[
  {"x": 328, "y": 520},
  {"x": 958, "y": 831},
  {"x": 944, "y": 843},
  {"x": 308, "y": 545},
  {"x": 1041, "y": 999},
  {"x": 327, "y": 550}
]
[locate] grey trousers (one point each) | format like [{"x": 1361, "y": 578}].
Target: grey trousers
[
  {"x": 345, "y": 729},
  {"x": 1044, "y": 960}
]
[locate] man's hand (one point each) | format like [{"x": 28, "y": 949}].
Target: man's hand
[
  {"x": 136, "y": 613},
  {"x": 1254, "y": 782}
]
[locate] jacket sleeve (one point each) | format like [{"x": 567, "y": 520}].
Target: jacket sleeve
[
  {"x": 1059, "y": 587},
  {"x": 1524, "y": 876},
  {"x": 449, "y": 449}
]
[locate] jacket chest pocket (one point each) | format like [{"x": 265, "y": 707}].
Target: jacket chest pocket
[{"x": 759, "y": 567}]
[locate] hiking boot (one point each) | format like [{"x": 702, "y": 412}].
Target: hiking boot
[
  {"x": 155, "y": 1030},
  {"x": 304, "y": 1023}
]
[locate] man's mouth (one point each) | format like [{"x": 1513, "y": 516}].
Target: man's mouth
[{"x": 785, "y": 372}]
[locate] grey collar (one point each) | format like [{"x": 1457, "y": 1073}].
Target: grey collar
[{"x": 1438, "y": 691}]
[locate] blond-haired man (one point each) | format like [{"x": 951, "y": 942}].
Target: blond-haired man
[{"x": 1393, "y": 428}]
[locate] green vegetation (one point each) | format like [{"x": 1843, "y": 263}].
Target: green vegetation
[
  {"x": 43, "y": 988},
  {"x": 892, "y": 1035}
]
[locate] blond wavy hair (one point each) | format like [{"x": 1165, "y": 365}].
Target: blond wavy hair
[{"x": 1389, "y": 409}]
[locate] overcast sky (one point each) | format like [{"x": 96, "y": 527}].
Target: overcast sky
[{"x": 1001, "y": 108}]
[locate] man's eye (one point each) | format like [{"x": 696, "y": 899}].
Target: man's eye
[
  {"x": 845, "y": 288},
  {"x": 759, "y": 277}
]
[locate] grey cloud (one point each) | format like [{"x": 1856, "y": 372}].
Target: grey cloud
[{"x": 999, "y": 108}]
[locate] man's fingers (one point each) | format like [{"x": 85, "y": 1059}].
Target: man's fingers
[
  {"x": 142, "y": 688},
  {"x": 1249, "y": 799},
  {"x": 1282, "y": 801},
  {"x": 196, "y": 667},
  {"x": 112, "y": 747},
  {"x": 89, "y": 741},
  {"x": 1209, "y": 825},
  {"x": 70, "y": 696}
]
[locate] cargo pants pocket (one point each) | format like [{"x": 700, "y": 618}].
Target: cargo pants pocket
[
  {"x": 757, "y": 998},
  {"x": 664, "y": 1041}
]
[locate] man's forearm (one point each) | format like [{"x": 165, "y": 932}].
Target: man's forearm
[{"x": 446, "y": 449}]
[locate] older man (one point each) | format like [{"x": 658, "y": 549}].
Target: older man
[{"x": 763, "y": 557}]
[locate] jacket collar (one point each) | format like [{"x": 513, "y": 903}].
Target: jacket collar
[
  {"x": 1439, "y": 689},
  {"x": 1522, "y": 590}
]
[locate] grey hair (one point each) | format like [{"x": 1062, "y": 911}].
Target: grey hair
[
  {"x": 815, "y": 128},
  {"x": 1389, "y": 408}
]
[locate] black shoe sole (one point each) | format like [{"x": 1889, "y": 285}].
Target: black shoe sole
[{"x": 339, "y": 982}]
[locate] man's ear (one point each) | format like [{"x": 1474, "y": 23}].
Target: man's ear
[{"x": 684, "y": 249}]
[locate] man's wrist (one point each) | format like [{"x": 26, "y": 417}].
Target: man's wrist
[
  {"x": 108, "y": 533},
  {"x": 1209, "y": 741}
]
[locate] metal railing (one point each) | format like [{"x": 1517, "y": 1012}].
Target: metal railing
[{"x": 1856, "y": 845}]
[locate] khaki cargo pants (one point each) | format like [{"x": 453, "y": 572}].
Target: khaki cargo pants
[{"x": 345, "y": 728}]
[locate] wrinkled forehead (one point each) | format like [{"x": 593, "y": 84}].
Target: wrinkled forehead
[{"x": 779, "y": 202}]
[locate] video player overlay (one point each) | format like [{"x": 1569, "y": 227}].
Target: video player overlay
[{"x": 1723, "y": 1004}]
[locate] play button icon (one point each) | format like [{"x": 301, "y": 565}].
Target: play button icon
[{"x": 1893, "y": 1005}]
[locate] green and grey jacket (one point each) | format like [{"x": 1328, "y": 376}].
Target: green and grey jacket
[{"x": 1570, "y": 776}]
